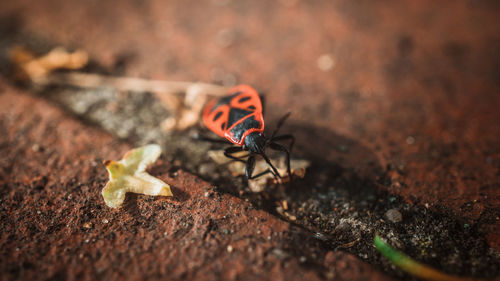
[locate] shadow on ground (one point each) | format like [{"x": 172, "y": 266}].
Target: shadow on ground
[
  {"x": 343, "y": 202},
  {"x": 340, "y": 204}
]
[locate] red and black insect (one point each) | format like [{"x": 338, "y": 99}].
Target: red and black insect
[{"x": 238, "y": 118}]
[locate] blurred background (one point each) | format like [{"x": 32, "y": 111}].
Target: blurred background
[{"x": 413, "y": 87}]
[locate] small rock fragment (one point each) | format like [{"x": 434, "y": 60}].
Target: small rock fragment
[
  {"x": 225, "y": 38},
  {"x": 394, "y": 215},
  {"x": 206, "y": 169},
  {"x": 326, "y": 62},
  {"x": 280, "y": 254}
]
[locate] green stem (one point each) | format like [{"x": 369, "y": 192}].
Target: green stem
[{"x": 413, "y": 267}]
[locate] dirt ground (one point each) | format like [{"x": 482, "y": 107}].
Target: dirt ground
[{"x": 395, "y": 103}]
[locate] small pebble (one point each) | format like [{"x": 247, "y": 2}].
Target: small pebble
[
  {"x": 280, "y": 254},
  {"x": 325, "y": 62},
  {"x": 229, "y": 249},
  {"x": 319, "y": 236},
  {"x": 38, "y": 212},
  {"x": 35, "y": 147},
  {"x": 206, "y": 169},
  {"x": 105, "y": 221},
  {"x": 225, "y": 38},
  {"x": 302, "y": 259},
  {"x": 87, "y": 225},
  {"x": 394, "y": 215},
  {"x": 285, "y": 205},
  {"x": 410, "y": 140}
]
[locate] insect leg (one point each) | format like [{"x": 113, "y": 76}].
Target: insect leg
[
  {"x": 231, "y": 150},
  {"x": 285, "y": 137},
  {"x": 280, "y": 147},
  {"x": 280, "y": 123},
  {"x": 275, "y": 171},
  {"x": 251, "y": 166},
  {"x": 263, "y": 173}
]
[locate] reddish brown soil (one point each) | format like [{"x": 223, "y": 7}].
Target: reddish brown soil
[
  {"x": 414, "y": 83},
  {"x": 55, "y": 225}
]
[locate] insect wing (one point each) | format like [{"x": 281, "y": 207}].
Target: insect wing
[
  {"x": 246, "y": 99},
  {"x": 215, "y": 117},
  {"x": 225, "y": 115}
]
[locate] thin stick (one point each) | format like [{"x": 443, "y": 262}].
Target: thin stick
[{"x": 87, "y": 80}]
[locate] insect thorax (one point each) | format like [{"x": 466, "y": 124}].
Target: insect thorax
[{"x": 255, "y": 142}]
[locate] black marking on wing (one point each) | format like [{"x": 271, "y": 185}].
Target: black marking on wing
[
  {"x": 244, "y": 99},
  {"x": 236, "y": 114},
  {"x": 240, "y": 129},
  {"x": 224, "y": 100},
  {"x": 217, "y": 116},
  {"x": 252, "y": 107},
  {"x": 223, "y": 126}
]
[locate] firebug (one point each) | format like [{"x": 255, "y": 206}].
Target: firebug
[{"x": 239, "y": 119}]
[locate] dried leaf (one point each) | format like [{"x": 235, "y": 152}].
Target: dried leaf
[
  {"x": 129, "y": 175},
  {"x": 37, "y": 68}
]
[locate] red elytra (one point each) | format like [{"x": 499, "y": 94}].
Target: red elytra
[{"x": 236, "y": 116}]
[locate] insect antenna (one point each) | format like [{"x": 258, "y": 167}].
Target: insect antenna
[{"x": 280, "y": 123}]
